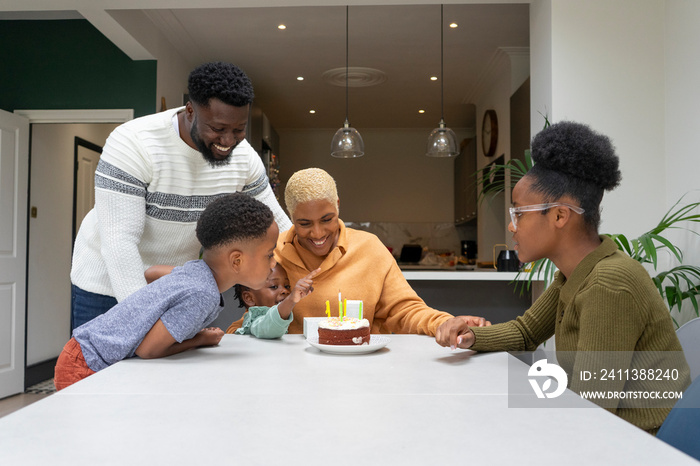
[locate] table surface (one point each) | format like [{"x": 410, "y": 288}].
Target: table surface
[{"x": 250, "y": 401}]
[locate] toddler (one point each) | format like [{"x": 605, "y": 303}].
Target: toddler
[{"x": 269, "y": 309}]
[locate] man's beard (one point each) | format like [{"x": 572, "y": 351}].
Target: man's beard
[{"x": 206, "y": 151}]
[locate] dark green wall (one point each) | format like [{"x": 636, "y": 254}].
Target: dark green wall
[{"x": 68, "y": 64}]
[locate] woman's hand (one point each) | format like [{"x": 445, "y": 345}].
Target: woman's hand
[{"x": 456, "y": 333}]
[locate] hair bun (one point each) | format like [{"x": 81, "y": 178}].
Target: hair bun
[{"x": 576, "y": 150}]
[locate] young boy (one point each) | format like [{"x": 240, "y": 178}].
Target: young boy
[
  {"x": 238, "y": 234},
  {"x": 269, "y": 309}
]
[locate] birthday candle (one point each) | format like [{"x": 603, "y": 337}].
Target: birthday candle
[
  {"x": 340, "y": 307},
  {"x": 360, "y": 310},
  {"x": 328, "y": 309},
  {"x": 345, "y": 307}
]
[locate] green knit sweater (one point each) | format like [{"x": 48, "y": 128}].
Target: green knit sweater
[{"x": 609, "y": 304}]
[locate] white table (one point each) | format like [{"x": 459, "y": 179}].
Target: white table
[{"x": 282, "y": 402}]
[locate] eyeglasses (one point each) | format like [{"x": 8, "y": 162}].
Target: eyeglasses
[{"x": 515, "y": 212}]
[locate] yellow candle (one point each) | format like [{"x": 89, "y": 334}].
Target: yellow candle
[
  {"x": 360, "y": 310},
  {"x": 328, "y": 309},
  {"x": 345, "y": 307}
]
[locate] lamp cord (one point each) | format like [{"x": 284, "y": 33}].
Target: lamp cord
[
  {"x": 442, "y": 71},
  {"x": 346, "y": 60}
]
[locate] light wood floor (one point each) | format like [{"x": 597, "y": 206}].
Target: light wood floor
[
  {"x": 13, "y": 403},
  {"x": 32, "y": 394}
]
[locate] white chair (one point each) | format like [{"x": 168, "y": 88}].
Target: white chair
[{"x": 689, "y": 335}]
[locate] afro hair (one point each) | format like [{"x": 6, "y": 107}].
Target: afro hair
[
  {"x": 238, "y": 291},
  {"x": 572, "y": 159},
  {"x": 231, "y": 218},
  {"x": 220, "y": 80}
]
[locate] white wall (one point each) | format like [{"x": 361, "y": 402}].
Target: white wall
[
  {"x": 172, "y": 69},
  {"x": 629, "y": 69},
  {"x": 505, "y": 75},
  {"x": 682, "y": 98},
  {"x": 491, "y": 223},
  {"x": 608, "y": 71},
  {"x": 393, "y": 182},
  {"x": 682, "y": 121},
  {"x": 50, "y": 241},
  {"x": 540, "y": 62}
]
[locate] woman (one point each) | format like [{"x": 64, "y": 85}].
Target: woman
[
  {"x": 352, "y": 262},
  {"x": 601, "y": 300}
]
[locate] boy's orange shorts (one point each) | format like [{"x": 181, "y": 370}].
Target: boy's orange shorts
[{"x": 71, "y": 366}]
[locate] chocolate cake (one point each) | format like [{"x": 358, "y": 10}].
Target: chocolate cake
[{"x": 348, "y": 331}]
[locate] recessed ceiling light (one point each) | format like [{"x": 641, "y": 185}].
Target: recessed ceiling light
[
  {"x": 433, "y": 78},
  {"x": 312, "y": 111},
  {"x": 454, "y": 25},
  {"x": 421, "y": 111},
  {"x": 281, "y": 26},
  {"x": 300, "y": 78}
]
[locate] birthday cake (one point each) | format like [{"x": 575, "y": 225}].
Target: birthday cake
[{"x": 345, "y": 331}]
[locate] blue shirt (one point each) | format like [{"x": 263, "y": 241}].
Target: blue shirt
[{"x": 186, "y": 301}]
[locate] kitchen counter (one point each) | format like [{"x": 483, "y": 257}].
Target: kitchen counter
[
  {"x": 494, "y": 295},
  {"x": 483, "y": 292},
  {"x": 451, "y": 274}
]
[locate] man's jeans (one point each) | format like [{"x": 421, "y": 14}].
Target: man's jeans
[{"x": 85, "y": 306}]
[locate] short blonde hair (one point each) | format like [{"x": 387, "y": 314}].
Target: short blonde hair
[{"x": 311, "y": 184}]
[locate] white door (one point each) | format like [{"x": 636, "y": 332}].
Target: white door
[
  {"x": 14, "y": 176},
  {"x": 87, "y": 158}
]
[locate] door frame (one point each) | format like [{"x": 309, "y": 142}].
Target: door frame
[
  {"x": 120, "y": 115},
  {"x": 79, "y": 142},
  {"x": 43, "y": 370}
]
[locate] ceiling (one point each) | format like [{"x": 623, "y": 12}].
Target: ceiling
[{"x": 401, "y": 41}]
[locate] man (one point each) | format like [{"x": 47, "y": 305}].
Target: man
[{"x": 155, "y": 177}]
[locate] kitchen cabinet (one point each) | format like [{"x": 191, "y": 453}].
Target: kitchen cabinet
[
  {"x": 520, "y": 122},
  {"x": 255, "y": 127},
  {"x": 264, "y": 139},
  {"x": 465, "y": 193},
  {"x": 260, "y": 133}
]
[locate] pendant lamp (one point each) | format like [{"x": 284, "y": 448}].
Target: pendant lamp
[
  {"x": 442, "y": 141},
  {"x": 347, "y": 142}
]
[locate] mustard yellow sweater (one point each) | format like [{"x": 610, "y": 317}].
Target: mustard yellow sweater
[
  {"x": 360, "y": 267},
  {"x": 609, "y": 304}
]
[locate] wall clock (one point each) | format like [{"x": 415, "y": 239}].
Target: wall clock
[{"x": 489, "y": 133}]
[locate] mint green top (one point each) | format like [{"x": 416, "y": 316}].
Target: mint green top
[
  {"x": 264, "y": 322},
  {"x": 608, "y": 304}
]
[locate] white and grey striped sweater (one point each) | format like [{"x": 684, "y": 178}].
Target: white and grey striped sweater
[{"x": 150, "y": 189}]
